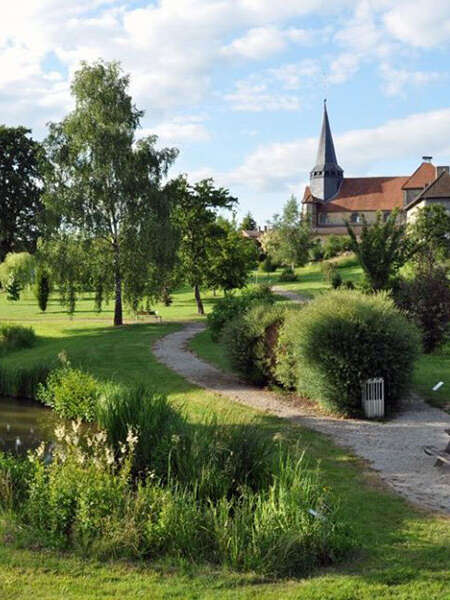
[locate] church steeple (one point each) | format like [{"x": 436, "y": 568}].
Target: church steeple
[{"x": 326, "y": 176}]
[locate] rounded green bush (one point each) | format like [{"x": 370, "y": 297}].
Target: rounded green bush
[
  {"x": 250, "y": 340},
  {"x": 72, "y": 393},
  {"x": 341, "y": 339}
]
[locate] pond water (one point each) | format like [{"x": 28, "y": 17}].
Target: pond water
[{"x": 24, "y": 424}]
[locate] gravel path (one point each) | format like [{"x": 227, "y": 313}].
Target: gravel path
[{"x": 394, "y": 448}]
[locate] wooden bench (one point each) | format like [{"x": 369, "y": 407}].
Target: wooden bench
[{"x": 149, "y": 313}]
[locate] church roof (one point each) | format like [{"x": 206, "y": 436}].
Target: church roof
[
  {"x": 422, "y": 176},
  {"x": 439, "y": 188},
  {"x": 364, "y": 193}
]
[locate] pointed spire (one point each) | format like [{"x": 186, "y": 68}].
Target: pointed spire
[
  {"x": 326, "y": 154},
  {"x": 327, "y": 175}
]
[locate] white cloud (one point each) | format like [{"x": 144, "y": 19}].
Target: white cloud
[
  {"x": 179, "y": 130},
  {"x": 260, "y": 42},
  {"x": 293, "y": 76},
  {"x": 279, "y": 166},
  {"x": 397, "y": 81},
  {"x": 257, "y": 43},
  {"x": 256, "y": 97},
  {"x": 420, "y": 23}
]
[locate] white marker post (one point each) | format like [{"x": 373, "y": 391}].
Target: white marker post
[{"x": 438, "y": 386}]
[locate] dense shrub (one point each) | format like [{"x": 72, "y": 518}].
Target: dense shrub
[
  {"x": 328, "y": 270},
  {"x": 287, "y": 274},
  {"x": 341, "y": 339},
  {"x": 229, "y": 307},
  {"x": 86, "y": 499},
  {"x": 316, "y": 250},
  {"x": 15, "y": 337},
  {"x": 267, "y": 265},
  {"x": 147, "y": 412},
  {"x": 426, "y": 300},
  {"x": 19, "y": 381},
  {"x": 15, "y": 474},
  {"x": 72, "y": 393},
  {"x": 336, "y": 280},
  {"x": 250, "y": 340}
]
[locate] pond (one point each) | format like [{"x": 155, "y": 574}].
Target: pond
[{"x": 24, "y": 424}]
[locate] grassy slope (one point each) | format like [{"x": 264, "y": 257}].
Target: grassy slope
[{"x": 405, "y": 554}]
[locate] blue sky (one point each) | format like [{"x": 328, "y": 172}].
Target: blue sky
[{"x": 238, "y": 85}]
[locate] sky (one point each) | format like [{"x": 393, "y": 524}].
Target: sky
[{"x": 238, "y": 85}]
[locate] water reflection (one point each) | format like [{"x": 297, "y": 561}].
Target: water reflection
[{"x": 24, "y": 424}]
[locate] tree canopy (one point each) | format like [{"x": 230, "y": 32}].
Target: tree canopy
[
  {"x": 289, "y": 237},
  {"x": 20, "y": 190},
  {"x": 104, "y": 183},
  {"x": 195, "y": 214}
]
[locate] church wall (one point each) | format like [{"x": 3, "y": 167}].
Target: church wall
[{"x": 339, "y": 218}]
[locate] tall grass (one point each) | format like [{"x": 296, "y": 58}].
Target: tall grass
[
  {"x": 22, "y": 382},
  {"x": 151, "y": 484},
  {"x": 86, "y": 500},
  {"x": 15, "y": 337}
]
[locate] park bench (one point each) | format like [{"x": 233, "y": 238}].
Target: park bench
[
  {"x": 149, "y": 313},
  {"x": 442, "y": 456}
]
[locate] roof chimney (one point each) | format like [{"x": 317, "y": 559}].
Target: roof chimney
[{"x": 427, "y": 159}]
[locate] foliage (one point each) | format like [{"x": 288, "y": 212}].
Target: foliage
[
  {"x": 195, "y": 217},
  {"x": 336, "y": 280},
  {"x": 15, "y": 337},
  {"x": 289, "y": 238},
  {"x": 430, "y": 231},
  {"x": 333, "y": 245},
  {"x": 18, "y": 267},
  {"x": 42, "y": 288},
  {"x": 316, "y": 250},
  {"x": 231, "y": 258},
  {"x": 267, "y": 265},
  {"x": 147, "y": 412},
  {"x": 382, "y": 249},
  {"x": 250, "y": 340},
  {"x": 13, "y": 288},
  {"x": 20, "y": 190},
  {"x": 102, "y": 183},
  {"x": 15, "y": 474},
  {"x": 72, "y": 393},
  {"x": 229, "y": 307},
  {"x": 86, "y": 499},
  {"x": 329, "y": 269},
  {"x": 426, "y": 300},
  {"x": 23, "y": 381},
  {"x": 287, "y": 274},
  {"x": 249, "y": 223},
  {"x": 343, "y": 338}
]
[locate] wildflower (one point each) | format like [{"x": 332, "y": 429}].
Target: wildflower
[
  {"x": 60, "y": 432},
  {"x": 132, "y": 438}
]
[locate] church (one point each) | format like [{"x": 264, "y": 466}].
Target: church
[{"x": 331, "y": 199}]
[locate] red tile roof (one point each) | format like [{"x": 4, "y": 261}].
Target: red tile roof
[
  {"x": 439, "y": 188},
  {"x": 367, "y": 193},
  {"x": 422, "y": 176}
]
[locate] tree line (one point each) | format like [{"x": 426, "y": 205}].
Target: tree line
[{"x": 93, "y": 203}]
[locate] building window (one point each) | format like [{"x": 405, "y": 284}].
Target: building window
[
  {"x": 355, "y": 218},
  {"x": 386, "y": 215},
  {"x": 323, "y": 219}
]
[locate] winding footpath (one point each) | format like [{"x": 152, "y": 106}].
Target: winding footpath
[{"x": 394, "y": 448}]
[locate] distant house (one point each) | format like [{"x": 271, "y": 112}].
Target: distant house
[{"x": 332, "y": 199}]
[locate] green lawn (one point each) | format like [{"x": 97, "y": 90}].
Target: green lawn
[{"x": 404, "y": 553}]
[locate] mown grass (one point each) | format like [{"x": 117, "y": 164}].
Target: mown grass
[{"x": 404, "y": 553}]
